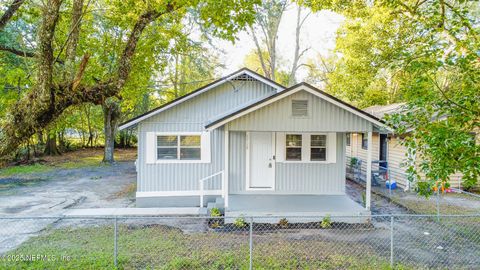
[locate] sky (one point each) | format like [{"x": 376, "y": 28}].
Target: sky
[{"x": 318, "y": 34}]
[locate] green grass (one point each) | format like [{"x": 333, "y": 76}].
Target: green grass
[
  {"x": 93, "y": 161},
  {"x": 161, "y": 247},
  {"x": 24, "y": 169},
  {"x": 428, "y": 206}
]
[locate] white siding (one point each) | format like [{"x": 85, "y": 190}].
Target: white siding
[
  {"x": 191, "y": 116},
  {"x": 290, "y": 178},
  {"x": 323, "y": 117}
]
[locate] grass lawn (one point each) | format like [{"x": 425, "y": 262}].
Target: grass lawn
[
  {"x": 70, "y": 160},
  {"x": 448, "y": 206},
  {"x": 162, "y": 247}
]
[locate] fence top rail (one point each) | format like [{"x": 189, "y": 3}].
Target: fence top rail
[{"x": 245, "y": 217}]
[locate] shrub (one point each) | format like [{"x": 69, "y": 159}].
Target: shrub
[
  {"x": 353, "y": 161},
  {"x": 215, "y": 212},
  {"x": 215, "y": 224},
  {"x": 240, "y": 222},
  {"x": 283, "y": 223},
  {"x": 326, "y": 222}
]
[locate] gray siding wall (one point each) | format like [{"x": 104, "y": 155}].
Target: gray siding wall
[
  {"x": 291, "y": 178},
  {"x": 191, "y": 116},
  {"x": 323, "y": 117}
]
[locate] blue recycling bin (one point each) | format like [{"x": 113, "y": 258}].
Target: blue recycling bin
[{"x": 393, "y": 186}]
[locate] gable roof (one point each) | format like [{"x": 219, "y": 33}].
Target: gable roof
[
  {"x": 289, "y": 91},
  {"x": 166, "y": 106}
]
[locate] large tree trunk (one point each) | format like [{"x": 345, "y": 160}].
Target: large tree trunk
[
  {"x": 51, "y": 145},
  {"x": 111, "y": 116}
]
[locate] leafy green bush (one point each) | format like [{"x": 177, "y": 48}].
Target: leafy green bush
[
  {"x": 240, "y": 222},
  {"x": 215, "y": 212},
  {"x": 326, "y": 222}
]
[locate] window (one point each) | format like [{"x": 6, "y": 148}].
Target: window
[
  {"x": 364, "y": 141},
  {"x": 299, "y": 108},
  {"x": 182, "y": 147},
  {"x": 318, "y": 147},
  {"x": 348, "y": 139},
  {"x": 293, "y": 147}
]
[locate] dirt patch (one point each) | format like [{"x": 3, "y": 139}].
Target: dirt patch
[{"x": 127, "y": 191}]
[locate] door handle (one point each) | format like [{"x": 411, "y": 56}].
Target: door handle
[{"x": 270, "y": 165}]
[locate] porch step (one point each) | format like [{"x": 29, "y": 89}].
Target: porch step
[{"x": 203, "y": 211}]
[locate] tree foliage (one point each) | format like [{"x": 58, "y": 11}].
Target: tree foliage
[
  {"x": 66, "y": 53},
  {"x": 426, "y": 53}
]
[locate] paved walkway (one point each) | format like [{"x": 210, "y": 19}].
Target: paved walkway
[{"x": 106, "y": 212}]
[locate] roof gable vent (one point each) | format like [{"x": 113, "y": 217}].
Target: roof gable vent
[
  {"x": 244, "y": 77},
  {"x": 299, "y": 108}
]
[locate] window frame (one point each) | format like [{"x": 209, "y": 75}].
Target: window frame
[
  {"x": 364, "y": 141},
  {"x": 294, "y": 147},
  {"x": 203, "y": 148},
  {"x": 319, "y": 147},
  {"x": 306, "y": 148}
]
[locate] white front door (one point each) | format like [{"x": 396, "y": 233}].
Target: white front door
[{"x": 260, "y": 160}]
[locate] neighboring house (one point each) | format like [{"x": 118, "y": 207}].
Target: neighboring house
[
  {"x": 251, "y": 146},
  {"x": 387, "y": 147}
]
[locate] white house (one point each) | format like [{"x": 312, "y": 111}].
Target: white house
[{"x": 251, "y": 146}]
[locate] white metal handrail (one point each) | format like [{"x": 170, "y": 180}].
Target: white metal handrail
[{"x": 202, "y": 181}]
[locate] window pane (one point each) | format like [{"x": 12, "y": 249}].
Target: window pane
[
  {"x": 166, "y": 153},
  {"x": 319, "y": 140},
  {"x": 294, "y": 140},
  {"x": 190, "y": 153},
  {"x": 166, "y": 140},
  {"x": 294, "y": 154},
  {"x": 189, "y": 140},
  {"x": 318, "y": 154}
]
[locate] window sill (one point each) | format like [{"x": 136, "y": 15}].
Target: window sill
[
  {"x": 301, "y": 161},
  {"x": 179, "y": 161}
]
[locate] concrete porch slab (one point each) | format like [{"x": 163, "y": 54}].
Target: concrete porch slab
[
  {"x": 102, "y": 212},
  {"x": 296, "y": 208}
]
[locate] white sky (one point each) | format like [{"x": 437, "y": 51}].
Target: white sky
[{"x": 318, "y": 34}]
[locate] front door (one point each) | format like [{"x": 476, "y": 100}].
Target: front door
[{"x": 260, "y": 160}]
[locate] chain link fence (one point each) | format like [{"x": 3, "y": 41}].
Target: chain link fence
[
  {"x": 451, "y": 201},
  {"x": 357, "y": 242}
]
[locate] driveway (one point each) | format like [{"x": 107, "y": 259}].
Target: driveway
[{"x": 51, "y": 194}]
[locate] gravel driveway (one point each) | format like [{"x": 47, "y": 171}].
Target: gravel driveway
[{"x": 53, "y": 193}]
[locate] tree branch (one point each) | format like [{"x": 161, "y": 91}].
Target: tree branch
[
  {"x": 16, "y": 51},
  {"x": 80, "y": 72},
  {"x": 10, "y": 12},
  {"x": 125, "y": 62}
]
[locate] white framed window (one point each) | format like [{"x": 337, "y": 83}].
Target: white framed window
[
  {"x": 306, "y": 147},
  {"x": 293, "y": 146},
  {"x": 318, "y": 147},
  {"x": 182, "y": 147}
]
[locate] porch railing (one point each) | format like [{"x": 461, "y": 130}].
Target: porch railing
[{"x": 202, "y": 181}]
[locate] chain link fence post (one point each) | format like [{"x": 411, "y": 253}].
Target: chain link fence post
[
  {"x": 438, "y": 204},
  {"x": 251, "y": 244},
  {"x": 115, "y": 248},
  {"x": 391, "y": 241}
]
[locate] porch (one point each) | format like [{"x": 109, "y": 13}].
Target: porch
[{"x": 295, "y": 208}]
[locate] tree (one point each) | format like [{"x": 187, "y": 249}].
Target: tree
[
  {"x": 430, "y": 50},
  {"x": 63, "y": 81},
  {"x": 268, "y": 17},
  {"x": 297, "y": 53}
]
